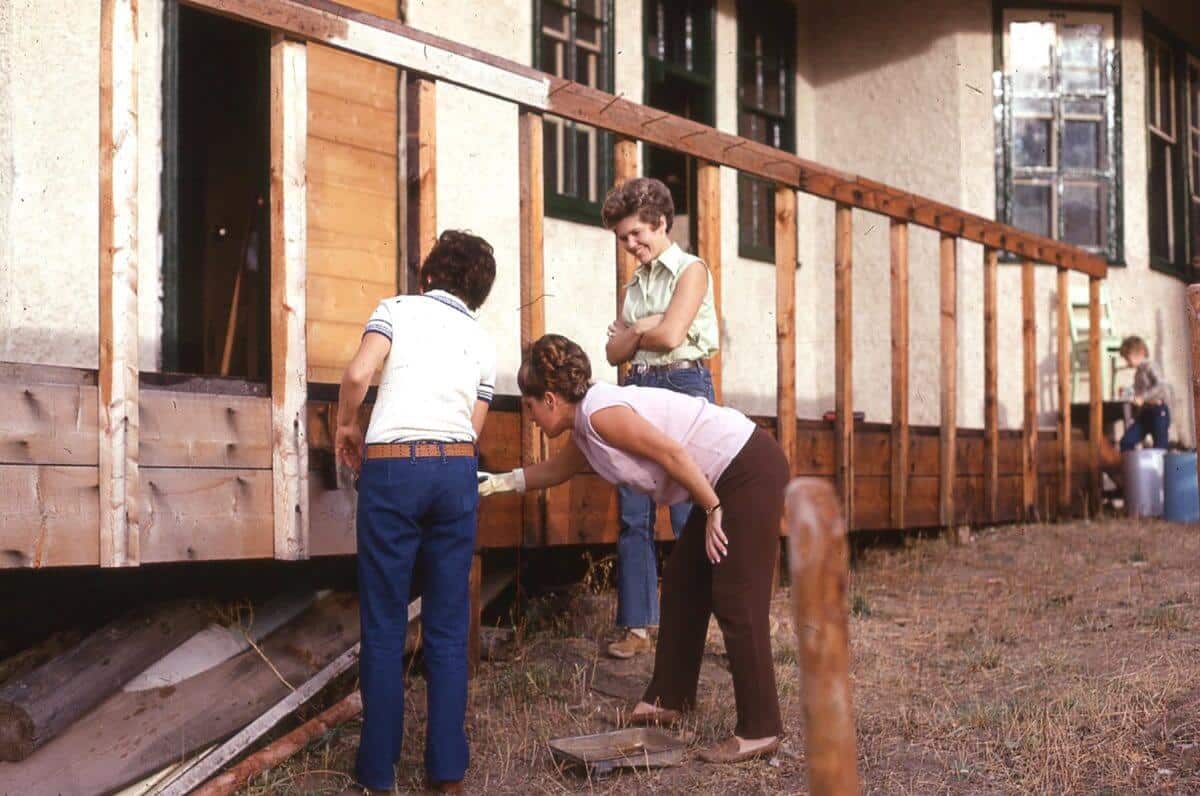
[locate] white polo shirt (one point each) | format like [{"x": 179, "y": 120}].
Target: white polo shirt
[{"x": 440, "y": 364}]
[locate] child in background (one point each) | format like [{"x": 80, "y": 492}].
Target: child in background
[{"x": 1151, "y": 415}]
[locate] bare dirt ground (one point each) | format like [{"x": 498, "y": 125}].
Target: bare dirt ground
[{"x": 1033, "y": 659}]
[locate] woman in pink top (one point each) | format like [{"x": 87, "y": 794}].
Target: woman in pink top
[{"x": 676, "y": 447}]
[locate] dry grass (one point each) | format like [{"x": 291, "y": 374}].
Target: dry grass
[{"x": 1041, "y": 659}]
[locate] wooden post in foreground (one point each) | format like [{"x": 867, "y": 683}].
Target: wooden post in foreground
[
  {"x": 785, "y": 320},
  {"x": 708, "y": 248},
  {"x": 1193, "y": 298},
  {"x": 1095, "y": 390},
  {"x": 120, "y": 536},
  {"x": 1029, "y": 455},
  {"x": 948, "y": 449},
  {"x": 900, "y": 444},
  {"x": 843, "y": 336},
  {"x": 424, "y": 94},
  {"x": 991, "y": 384},
  {"x": 819, "y": 557},
  {"x": 533, "y": 306},
  {"x": 625, "y": 166},
  {"x": 1064, "y": 391}
]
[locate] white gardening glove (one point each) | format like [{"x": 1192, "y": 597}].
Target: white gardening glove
[{"x": 495, "y": 483}]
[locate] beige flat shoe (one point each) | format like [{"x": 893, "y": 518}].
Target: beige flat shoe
[
  {"x": 659, "y": 717},
  {"x": 727, "y": 751}
]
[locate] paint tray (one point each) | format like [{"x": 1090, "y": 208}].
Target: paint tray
[{"x": 638, "y": 747}]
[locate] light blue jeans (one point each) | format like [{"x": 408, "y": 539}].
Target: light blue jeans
[{"x": 637, "y": 562}]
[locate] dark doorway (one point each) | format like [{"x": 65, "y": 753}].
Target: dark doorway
[
  {"x": 680, "y": 70},
  {"x": 216, "y": 303}
]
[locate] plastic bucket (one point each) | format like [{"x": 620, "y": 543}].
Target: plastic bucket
[
  {"x": 1181, "y": 498},
  {"x": 1143, "y": 470}
]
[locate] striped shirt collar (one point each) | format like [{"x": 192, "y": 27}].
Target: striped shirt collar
[{"x": 450, "y": 300}]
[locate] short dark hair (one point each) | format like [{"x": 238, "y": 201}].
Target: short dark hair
[
  {"x": 649, "y": 198},
  {"x": 555, "y": 364},
  {"x": 1134, "y": 343},
  {"x": 462, "y": 264}
]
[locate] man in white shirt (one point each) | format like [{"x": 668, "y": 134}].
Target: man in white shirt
[{"x": 417, "y": 499}]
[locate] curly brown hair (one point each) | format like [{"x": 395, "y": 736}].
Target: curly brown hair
[
  {"x": 555, "y": 364},
  {"x": 462, "y": 264},
  {"x": 1134, "y": 343},
  {"x": 649, "y": 198}
]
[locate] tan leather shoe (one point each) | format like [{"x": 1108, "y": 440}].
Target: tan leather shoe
[
  {"x": 728, "y": 751},
  {"x": 659, "y": 717},
  {"x": 629, "y": 645}
]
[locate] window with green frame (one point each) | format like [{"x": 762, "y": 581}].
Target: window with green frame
[
  {"x": 766, "y": 111},
  {"x": 574, "y": 39},
  {"x": 1173, "y": 153},
  {"x": 1057, "y": 120}
]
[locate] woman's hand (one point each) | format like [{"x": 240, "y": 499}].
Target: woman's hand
[
  {"x": 348, "y": 444},
  {"x": 647, "y": 323},
  {"x": 716, "y": 544},
  {"x": 497, "y": 483},
  {"x": 617, "y": 327}
]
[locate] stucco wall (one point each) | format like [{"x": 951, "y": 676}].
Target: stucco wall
[{"x": 49, "y": 189}]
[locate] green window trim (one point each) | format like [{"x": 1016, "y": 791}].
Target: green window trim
[{"x": 565, "y": 205}]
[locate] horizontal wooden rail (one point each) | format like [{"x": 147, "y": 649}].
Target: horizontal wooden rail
[{"x": 393, "y": 43}]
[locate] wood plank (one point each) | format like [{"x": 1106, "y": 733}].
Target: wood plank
[
  {"x": 393, "y": 43},
  {"x": 474, "y": 581},
  {"x": 843, "y": 337},
  {"x": 625, "y": 167},
  {"x": 424, "y": 101},
  {"x": 49, "y": 424},
  {"x": 1095, "y": 392},
  {"x": 1064, "y": 385},
  {"x": 785, "y": 319},
  {"x": 346, "y": 211},
  {"x": 708, "y": 249},
  {"x": 335, "y": 254},
  {"x": 948, "y": 372},
  {"x": 899, "y": 442},
  {"x": 356, "y": 169},
  {"x": 118, "y": 358},
  {"x": 360, "y": 80},
  {"x": 201, "y": 514},
  {"x": 289, "y": 227},
  {"x": 533, "y": 306},
  {"x": 196, "y": 430},
  {"x": 991, "y": 389},
  {"x": 48, "y": 516},
  {"x": 331, "y": 344},
  {"x": 338, "y": 121},
  {"x": 346, "y": 300},
  {"x": 37, "y": 707},
  {"x": 1029, "y": 389}
]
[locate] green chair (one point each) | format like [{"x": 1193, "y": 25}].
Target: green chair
[{"x": 1110, "y": 341}]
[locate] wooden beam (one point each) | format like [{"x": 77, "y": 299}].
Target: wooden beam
[
  {"x": 118, "y": 354},
  {"x": 991, "y": 403},
  {"x": 475, "y": 581},
  {"x": 1029, "y": 463},
  {"x": 820, "y": 564},
  {"x": 625, "y": 167},
  {"x": 708, "y": 248},
  {"x": 390, "y": 42},
  {"x": 948, "y": 460},
  {"x": 289, "y": 243},
  {"x": 1095, "y": 391},
  {"x": 425, "y": 99},
  {"x": 785, "y": 319},
  {"x": 1064, "y": 390},
  {"x": 843, "y": 335},
  {"x": 533, "y": 305},
  {"x": 900, "y": 437}
]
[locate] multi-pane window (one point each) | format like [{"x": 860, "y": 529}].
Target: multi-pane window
[
  {"x": 1057, "y": 99},
  {"x": 766, "y": 66},
  {"x": 574, "y": 40}
]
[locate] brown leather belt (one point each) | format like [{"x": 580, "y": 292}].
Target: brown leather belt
[
  {"x": 421, "y": 450},
  {"x": 683, "y": 364}
]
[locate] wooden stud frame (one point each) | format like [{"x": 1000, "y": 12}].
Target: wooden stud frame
[
  {"x": 1095, "y": 390},
  {"x": 708, "y": 249},
  {"x": 425, "y": 96},
  {"x": 625, "y": 167},
  {"x": 991, "y": 403},
  {"x": 948, "y": 299},
  {"x": 1029, "y": 430},
  {"x": 533, "y": 306},
  {"x": 785, "y": 319},
  {"x": 900, "y": 437},
  {"x": 1064, "y": 390},
  {"x": 843, "y": 335}
]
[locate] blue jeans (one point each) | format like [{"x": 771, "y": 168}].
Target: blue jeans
[
  {"x": 637, "y": 563},
  {"x": 414, "y": 512},
  {"x": 1153, "y": 420}
]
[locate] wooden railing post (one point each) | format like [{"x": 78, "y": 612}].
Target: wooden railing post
[
  {"x": 1095, "y": 390},
  {"x": 900, "y": 467},
  {"x": 533, "y": 306},
  {"x": 1193, "y": 298},
  {"x": 948, "y": 455},
  {"x": 425, "y": 98},
  {"x": 289, "y": 244},
  {"x": 708, "y": 249},
  {"x": 843, "y": 343},
  {"x": 1029, "y": 461},
  {"x": 785, "y": 320},
  {"x": 118, "y": 353},
  {"x": 625, "y": 166},
  {"x": 1064, "y": 390},
  {"x": 819, "y": 558},
  {"x": 991, "y": 405}
]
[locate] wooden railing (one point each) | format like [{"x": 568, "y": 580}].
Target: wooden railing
[{"x": 431, "y": 59}]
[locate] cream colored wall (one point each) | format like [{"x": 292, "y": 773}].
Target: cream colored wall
[{"x": 49, "y": 184}]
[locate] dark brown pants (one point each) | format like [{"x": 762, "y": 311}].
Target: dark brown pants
[{"x": 737, "y": 591}]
